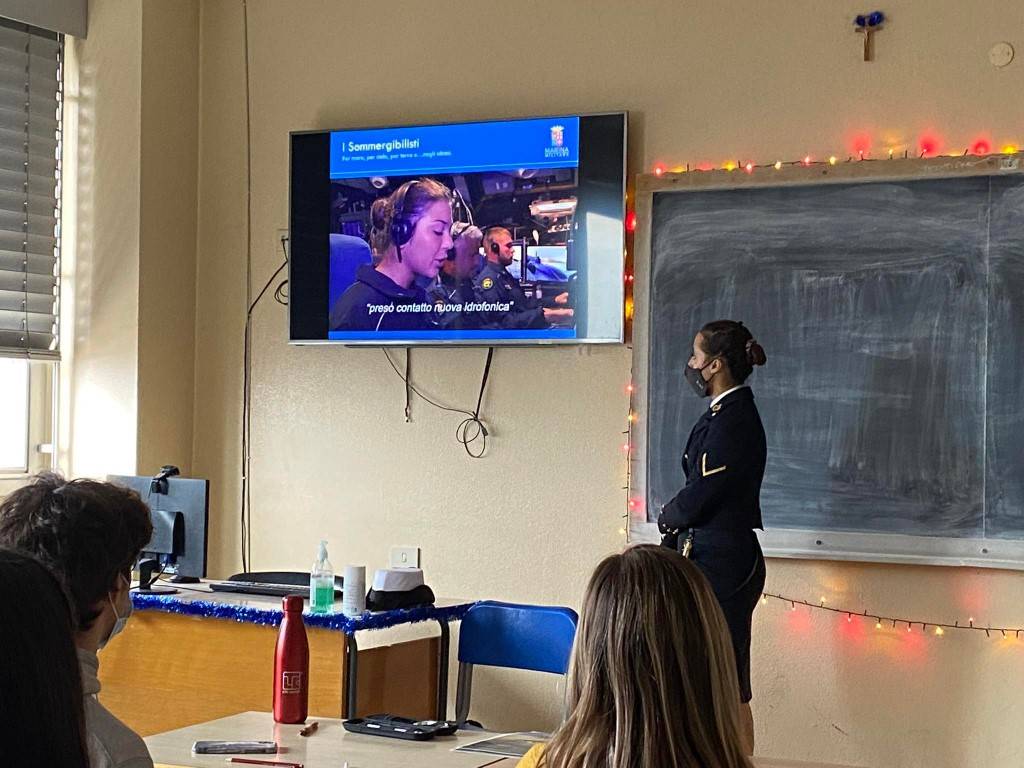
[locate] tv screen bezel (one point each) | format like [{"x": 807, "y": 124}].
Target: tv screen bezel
[{"x": 375, "y": 343}]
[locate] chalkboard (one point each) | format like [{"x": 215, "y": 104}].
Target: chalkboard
[{"x": 892, "y": 313}]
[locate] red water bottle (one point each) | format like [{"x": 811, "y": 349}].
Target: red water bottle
[{"x": 291, "y": 665}]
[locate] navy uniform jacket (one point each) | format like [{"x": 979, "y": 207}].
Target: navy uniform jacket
[
  {"x": 493, "y": 283},
  {"x": 351, "y": 313},
  {"x": 452, "y": 291},
  {"x": 724, "y": 466}
]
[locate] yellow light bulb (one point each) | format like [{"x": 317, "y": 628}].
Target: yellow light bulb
[
  {"x": 730, "y": 166},
  {"x": 832, "y": 160},
  {"x": 1009, "y": 149},
  {"x": 878, "y": 625},
  {"x": 778, "y": 165},
  {"x": 940, "y": 631}
]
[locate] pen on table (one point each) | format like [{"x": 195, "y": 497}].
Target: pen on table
[
  {"x": 251, "y": 761},
  {"x": 310, "y": 729}
]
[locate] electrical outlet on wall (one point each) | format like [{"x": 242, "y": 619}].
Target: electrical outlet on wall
[{"x": 404, "y": 557}]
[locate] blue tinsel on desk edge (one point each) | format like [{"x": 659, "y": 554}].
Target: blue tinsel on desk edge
[{"x": 271, "y": 617}]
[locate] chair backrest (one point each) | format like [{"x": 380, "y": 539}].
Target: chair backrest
[
  {"x": 347, "y": 253},
  {"x": 534, "y": 637}
]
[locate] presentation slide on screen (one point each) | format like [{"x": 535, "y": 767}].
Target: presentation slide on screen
[{"x": 488, "y": 242}]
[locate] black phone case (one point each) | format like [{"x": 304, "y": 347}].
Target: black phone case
[{"x": 394, "y": 727}]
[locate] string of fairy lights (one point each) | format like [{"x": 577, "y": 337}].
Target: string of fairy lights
[
  {"x": 882, "y": 621},
  {"x": 927, "y": 149},
  {"x": 631, "y": 503}
]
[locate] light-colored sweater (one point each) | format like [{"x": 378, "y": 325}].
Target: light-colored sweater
[{"x": 112, "y": 744}]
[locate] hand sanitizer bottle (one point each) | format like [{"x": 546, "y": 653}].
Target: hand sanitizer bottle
[{"x": 321, "y": 583}]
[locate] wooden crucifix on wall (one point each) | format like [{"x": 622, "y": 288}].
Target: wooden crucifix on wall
[{"x": 867, "y": 24}]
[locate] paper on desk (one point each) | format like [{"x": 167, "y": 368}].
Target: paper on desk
[{"x": 506, "y": 744}]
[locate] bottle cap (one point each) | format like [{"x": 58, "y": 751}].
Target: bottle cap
[{"x": 292, "y": 603}]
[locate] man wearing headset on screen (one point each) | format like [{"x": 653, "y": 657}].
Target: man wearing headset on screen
[
  {"x": 454, "y": 286},
  {"x": 494, "y": 284}
]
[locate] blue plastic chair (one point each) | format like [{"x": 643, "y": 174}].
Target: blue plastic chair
[
  {"x": 347, "y": 254},
  {"x": 533, "y": 637}
]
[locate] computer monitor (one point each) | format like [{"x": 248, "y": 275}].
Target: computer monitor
[{"x": 180, "y": 512}]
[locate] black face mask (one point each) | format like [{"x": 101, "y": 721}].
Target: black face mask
[{"x": 695, "y": 378}]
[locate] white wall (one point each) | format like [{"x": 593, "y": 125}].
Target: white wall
[
  {"x": 104, "y": 332},
  {"x": 128, "y": 272}
]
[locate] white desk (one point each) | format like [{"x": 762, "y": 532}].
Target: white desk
[{"x": 331, "y": 746}]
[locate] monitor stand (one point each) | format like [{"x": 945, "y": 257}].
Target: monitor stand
[{"x": 147, "y": 577}]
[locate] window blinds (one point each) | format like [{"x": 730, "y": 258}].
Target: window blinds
[{"x": 31, "y": 90}]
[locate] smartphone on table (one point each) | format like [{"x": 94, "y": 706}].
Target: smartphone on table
[{"x": 235, "y": 748}]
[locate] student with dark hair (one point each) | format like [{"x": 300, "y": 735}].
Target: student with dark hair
[
  {"x": 410, "y": 236},
  {"x": 41, "y": 717},
  {"x": 90, "y": 534},
  {"x": 712, "y": 519}
]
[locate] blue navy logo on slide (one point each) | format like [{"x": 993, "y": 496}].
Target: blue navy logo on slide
[{"x": 557, "y": 148}]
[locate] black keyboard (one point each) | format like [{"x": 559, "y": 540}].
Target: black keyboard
[
  {"x": 271, "y": 584},
  {"x": 271, "y": 590}
]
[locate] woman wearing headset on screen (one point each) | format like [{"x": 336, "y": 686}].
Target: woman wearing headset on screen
[
  {"x": 712, "y": 519},
  {"x": 411, "y": 232}
]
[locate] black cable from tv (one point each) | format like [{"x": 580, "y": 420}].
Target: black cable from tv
[
  {"x": 247, "y": 412},
  {"x": 248, "y": 286},
  {"x": 472, "y": 420}
]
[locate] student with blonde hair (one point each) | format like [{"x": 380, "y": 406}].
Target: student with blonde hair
[{"x": 653, "y": 679}]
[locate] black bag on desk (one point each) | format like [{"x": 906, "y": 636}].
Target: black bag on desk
[
  {"x": 381, "y": 600},
  {"x": 395, "y": 588}
]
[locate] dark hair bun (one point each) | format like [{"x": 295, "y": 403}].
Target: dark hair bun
[{"x": 755, "y": 353}]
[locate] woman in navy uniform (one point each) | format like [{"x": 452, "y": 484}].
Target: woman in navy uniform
[
  {"x": 712, "y": 519},
  {"x": 411, "y": 231}
]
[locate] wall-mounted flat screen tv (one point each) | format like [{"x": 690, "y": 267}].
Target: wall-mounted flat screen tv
[{"x": 487, "y": 233}]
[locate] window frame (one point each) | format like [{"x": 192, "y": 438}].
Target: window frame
[{"x": 43, "y": 401}]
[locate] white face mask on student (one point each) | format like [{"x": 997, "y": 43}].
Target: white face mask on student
[{"x": 119, "y": 621}]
